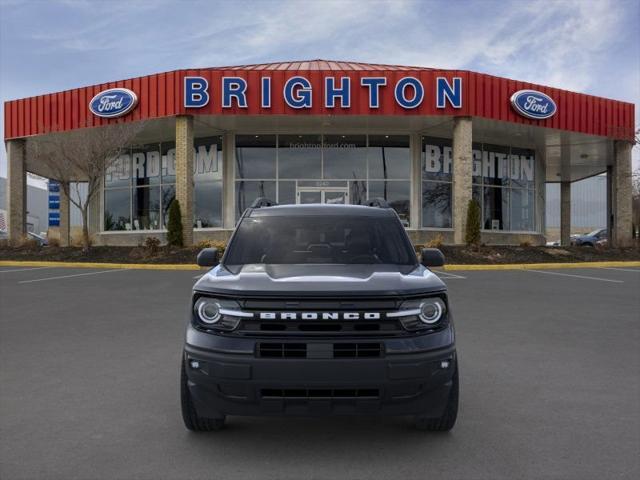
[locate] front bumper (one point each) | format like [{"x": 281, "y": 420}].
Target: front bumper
[{"x": 410, "y": 378}]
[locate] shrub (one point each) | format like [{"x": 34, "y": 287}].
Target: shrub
[
  {"x": 436, "y": 242},
  {"x": 174, "y": 226},
  {"x": 54, "y": 242},
  {"x": 472, "y": 233},
  {"x": 152, "y": 245},
  {"x": 220, "y": 245},
  {"x": 525, "y": 244}
]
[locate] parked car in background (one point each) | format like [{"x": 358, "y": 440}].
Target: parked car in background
[{"x": 591, "y": 238}]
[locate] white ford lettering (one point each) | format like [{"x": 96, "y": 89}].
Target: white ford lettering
[{"x": 321, "y": 315}]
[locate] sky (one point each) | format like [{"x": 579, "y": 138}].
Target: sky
[{"x": 590, "y": 46}]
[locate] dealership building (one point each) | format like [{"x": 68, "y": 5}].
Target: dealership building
[{"x": 426, "y": 140}]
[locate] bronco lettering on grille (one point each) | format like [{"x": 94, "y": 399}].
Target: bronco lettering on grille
[{"x": 320, "y": 316}]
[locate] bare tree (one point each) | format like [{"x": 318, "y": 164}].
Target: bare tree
[{"x": 82, "y": 156}]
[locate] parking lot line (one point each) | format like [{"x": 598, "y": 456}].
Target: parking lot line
[
  {"x": 637, "y": 270},
  {"x": 449, "y": 275},
  {"x": 576, "y": 276},
  {"x": 70, "y": 276},
  {"x": 23, "y": 269}
]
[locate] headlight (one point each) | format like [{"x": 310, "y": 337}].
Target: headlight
[
  {"x": 208, "y": 310},
  {"x": 218, "y": 314},
  {"x": 421, "y": 314},
  {"x": 431, "y": 310}
]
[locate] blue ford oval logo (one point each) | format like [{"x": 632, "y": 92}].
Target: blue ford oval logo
[
  {"x": 114, "y": 102},
  {"x": 533, "y": 104}
]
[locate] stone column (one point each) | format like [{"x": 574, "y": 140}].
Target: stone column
[
  {"x": 621, "y": 184},
  {"x": 65, "y": 216},
  {"x": 416, "y": 181},
  {"x": 462, "y": 175},
  {"x": 184, "y": 174},
  {"x": 16, "y": 191},
  {"x": 565, "y": 213},
  {"x": 228, "y": 181}
]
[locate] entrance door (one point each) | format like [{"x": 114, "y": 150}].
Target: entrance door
[{"x": 323, "y": 195}]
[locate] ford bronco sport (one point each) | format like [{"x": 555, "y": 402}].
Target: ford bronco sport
[{"x": 319, "y": 310}]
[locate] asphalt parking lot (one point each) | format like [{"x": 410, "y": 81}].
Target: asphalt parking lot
[{"x": 550, "y": 386}]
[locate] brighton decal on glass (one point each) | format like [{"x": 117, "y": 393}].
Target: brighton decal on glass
[
  {"x": 113, "y": 103},
  {"x": 533, "y": 104}
]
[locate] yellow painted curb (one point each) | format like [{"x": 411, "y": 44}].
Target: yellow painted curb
[
  {"x": 131, "y": 266},
  {"x": 542, "y": 266}
]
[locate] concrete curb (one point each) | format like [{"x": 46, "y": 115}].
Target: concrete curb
[{"x": 189, "y": 266}]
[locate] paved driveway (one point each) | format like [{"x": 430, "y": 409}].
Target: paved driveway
[{"x": 550, "y": 386}]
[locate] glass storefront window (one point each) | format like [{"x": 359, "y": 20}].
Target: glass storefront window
[
  {"x": 168, "y": 194},
  {"x": 522, "y": 209},
  {"x": 496, "y": 208},
  {"x": 208, "y": 205},
  {"x": 146, "y": 165},
  {"x": 168, "y": 162},
  {"x": 248, "y": 191},
  {"x": 300, "y": 156},
  {"x": 437, "y": 161},
  {"x": 118, "y": 174},
  {"x": 436, "y": 204},
  {"x": 286, "y": 192},
  {"x": 389, "y": 157},
  {"x": 117, "y": 205},
  {"x": 522, "y": 162},
  {"x": 495, "y": 165},
  {"x": 344, "y": 157},
  {"x": 255, "y": 156},
  {"x": 396, "y": 193},
  {"x": 152, "y": 168},
  {"x": 146, "y": 208}
]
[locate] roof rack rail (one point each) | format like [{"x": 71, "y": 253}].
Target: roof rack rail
[
  {"x": 377, "y": 202},
  {"x": 263, "y": 202}
]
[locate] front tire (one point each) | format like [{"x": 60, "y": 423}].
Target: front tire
[
  {"x": 447, "y": 420},
  {"x": 192, "y": 420}
]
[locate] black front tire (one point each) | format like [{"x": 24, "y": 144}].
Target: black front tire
[
  {"x": 445, "y": 422},
  {"x": 192, "y": 420}
]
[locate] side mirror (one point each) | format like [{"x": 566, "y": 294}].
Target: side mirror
[
  {"x": 431, "y": 257},
  {"x": 208, "y": 257}
]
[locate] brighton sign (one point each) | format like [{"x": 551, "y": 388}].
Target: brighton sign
[
  {"x": 533, "y": 104},
  {"x": 408, "y": 92}
]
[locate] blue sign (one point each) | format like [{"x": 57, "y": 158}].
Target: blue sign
[
  {"x": 533, "y": 104},
  {"x": 54, "y": 219},
  {"x": 54, "y": 187},
  {"x": 114, "y": 102},
  {"x": 54, "y": 203}
]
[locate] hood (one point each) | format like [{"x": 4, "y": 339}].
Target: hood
[{"x": 321, "y": 280}]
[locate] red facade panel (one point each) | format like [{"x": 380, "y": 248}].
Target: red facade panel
[{"x": 162, "y": 95}]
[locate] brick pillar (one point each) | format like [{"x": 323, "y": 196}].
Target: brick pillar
[
  {"x": 65, "y": 218},
  {"x": 16, "y": 191},
  {"x": 416, "y": 181},
  {"x": 184, "y": 174},
  {"x": 462, "y": 175},
  {"x": 565, "y": 213},
  {"x": 621, "y": 185},
  {"x": 228, "y": 181}
]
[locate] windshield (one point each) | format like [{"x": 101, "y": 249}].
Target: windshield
[
  {"x": 594, "y": 233},
  {"x": 318, "y": 239}
]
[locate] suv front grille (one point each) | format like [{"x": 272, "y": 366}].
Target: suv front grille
[
  {"x": 359, "y": 327},
  {"x": 319, "y": 350},
  {"x": 306, "y": 393}
]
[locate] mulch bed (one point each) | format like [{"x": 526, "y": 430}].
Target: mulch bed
[{"x": 453, "y": 254}]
